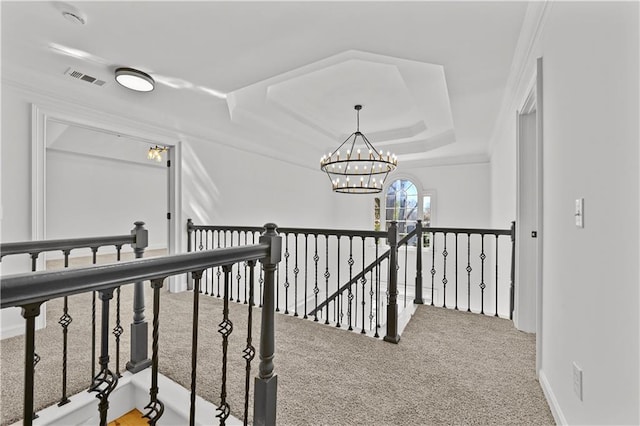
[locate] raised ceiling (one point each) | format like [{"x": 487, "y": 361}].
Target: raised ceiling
[{"x": 282, "y": 78}]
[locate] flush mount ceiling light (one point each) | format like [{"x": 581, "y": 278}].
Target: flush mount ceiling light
[
  {"x": 363, "y": 169},
  {"x": 155, "y": 153},
  {"x": 135, "y": 79}
]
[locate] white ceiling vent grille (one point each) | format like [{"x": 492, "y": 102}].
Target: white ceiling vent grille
[{"x": 84, "y": 77}]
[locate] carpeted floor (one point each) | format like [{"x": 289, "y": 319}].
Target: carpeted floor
[{"x": 449, "y": 367}]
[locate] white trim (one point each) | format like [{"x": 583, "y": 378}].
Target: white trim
[
  {"x": 524, "y": 55},
  {"x": 97, "y": 121},
  {"x": 556, "y": 411},
  {"x": 540, "y": 202}
]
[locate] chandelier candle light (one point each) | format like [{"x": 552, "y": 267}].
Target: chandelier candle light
[
  {"x": 362, "y": 169},
  {"x": 155, "y": 153}
]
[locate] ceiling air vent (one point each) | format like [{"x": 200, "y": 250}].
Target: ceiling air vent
[{"x": 81, "y": 76}]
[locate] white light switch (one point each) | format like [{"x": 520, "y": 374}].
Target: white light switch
[{"x": 579, "y": 214}]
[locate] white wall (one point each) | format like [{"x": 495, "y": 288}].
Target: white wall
[
  {"x": 90, "y": 196},
  {"x": 590, "y": 276}
]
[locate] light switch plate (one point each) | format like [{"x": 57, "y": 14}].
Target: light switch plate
[{"x": 579, "y": 213}]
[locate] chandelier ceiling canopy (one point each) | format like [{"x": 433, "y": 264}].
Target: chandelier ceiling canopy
[{"x": 361, "y": 169}]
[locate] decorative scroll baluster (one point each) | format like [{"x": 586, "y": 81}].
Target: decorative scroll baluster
[
  {"x": 456, "y": 308},
  {"x": 469, "y": 269},
  {"x": 496, "y": 314},
  {"x": 326, "y": 275},
  {"x": 29, "y": 313},
  {"x": 197, "y": 280},
  {"x": 238, "y": 275},
  {"x": 433, "y": 267},
  {"x": 306, "y": 272},
  {"x": 105, "y": 382},
  {"x": 296, "y": 271},
  {"x": 225, "y": 328},
  {"x": 245, "y": 271},
  {"x": 363, "y": 281},
  {"x": 371, "y": 292},
  {"x": 286, "y": 276},
  {"x": 155, "y": 407},
  {"x": 350, "y": 293},
  {"x": 261, "y": 282},
  {"x": 118, "y": 330},
  {"x": 249, "y": 351},
  {"x": 445, "y": 253},
  {"x": 65, "y": 320},
  {"x": 94, "y": 251},
  {"x": 206, "y": 272},
  {"x": 316, "y": 290},
  {"x": 482, "y": 284},
  {"x": 377, "y": 291}
]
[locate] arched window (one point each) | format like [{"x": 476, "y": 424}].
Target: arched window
[{"x": 405, "y": 204}]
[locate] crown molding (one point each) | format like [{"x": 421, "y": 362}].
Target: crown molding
[{"x": 523, "y": 64}]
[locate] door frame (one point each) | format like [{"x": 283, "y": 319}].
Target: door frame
[
  {"x": 533, "y": 102},
  {"x": 100, "y": 122}
]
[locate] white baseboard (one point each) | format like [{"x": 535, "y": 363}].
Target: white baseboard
[{"x": 556, "y": 411}]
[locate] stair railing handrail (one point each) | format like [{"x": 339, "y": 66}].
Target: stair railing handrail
[
  {"x": 29, "y": 290},
  {"x": 38, "y": 287},
  {"x": 42, "y": 246},
  {"x": 365, "y": 271}
]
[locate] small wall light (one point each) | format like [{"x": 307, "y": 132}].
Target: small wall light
[{"x": 135, "y": 79}]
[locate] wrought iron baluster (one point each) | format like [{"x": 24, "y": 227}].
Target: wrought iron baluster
[
  {"x": 64, "y": 321},
  {"x": 94, "y": 251},
  {"x": 378, "y": 307},
  {"x": 106, "y": 380},
  {"x": 482, "y": 284},
  {"x": 326, "y": 275},
  {"x": 205, "y": 273},
  {"x": 363, "y": 281},
  {"x": 118, "y": 330},
  {"x": 225, "y": 328},
  {"x": 496, "y": 314},
  {"x": 230, "y": 290},
  {"x": 306, "y": 272},
  {"x": 278, "y": 288},
  {"x": 338, "y": 310},
  {"x": 371, "y": 292},
  {"x": 350, "y": 293},
  {"x": 197, "y": 280},
  {"x": 286, "y": 272},
  {"x": 29, "y": 313},
  {"x": 249, "y": 351},
  {"x": 433, "y": 267},
  {"x": 155, "y": 407},
  {"x": 456, "y": 308},
  {"x": 245, "y": 271},
  {"x": 261, "y": 282},
  {"x": 219, "y": 271},
  {"x": 445, "y": 253},
  {"x": 469, "y": 269},
  {"x": 316, "y": 290},
  {"x": 296, "y": 271},
  {"x": 238, "y": 275},
  {"x": 406, "y": 257}
]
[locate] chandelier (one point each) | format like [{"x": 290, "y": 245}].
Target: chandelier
[
  {"x": 155, "y": 153},
  {"x": 362, "y": 169}
]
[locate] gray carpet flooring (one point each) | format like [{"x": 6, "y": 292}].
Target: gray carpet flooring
[{"x": 449, "y": 367}]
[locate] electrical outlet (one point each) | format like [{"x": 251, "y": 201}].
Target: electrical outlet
[{"x": 577, "y": 381}]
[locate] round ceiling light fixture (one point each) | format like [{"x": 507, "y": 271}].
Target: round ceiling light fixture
[{"x": 135, "y": 79}]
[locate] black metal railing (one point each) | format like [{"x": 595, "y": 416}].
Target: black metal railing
[
  {"x": 341, "y": 277},
  {"x": 30, "y": 291},
  {"x": 465, "y": 268},
  {"x": 138, "y": 241}
]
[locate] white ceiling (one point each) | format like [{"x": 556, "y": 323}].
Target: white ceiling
[{"x": 282, "y": 78}]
